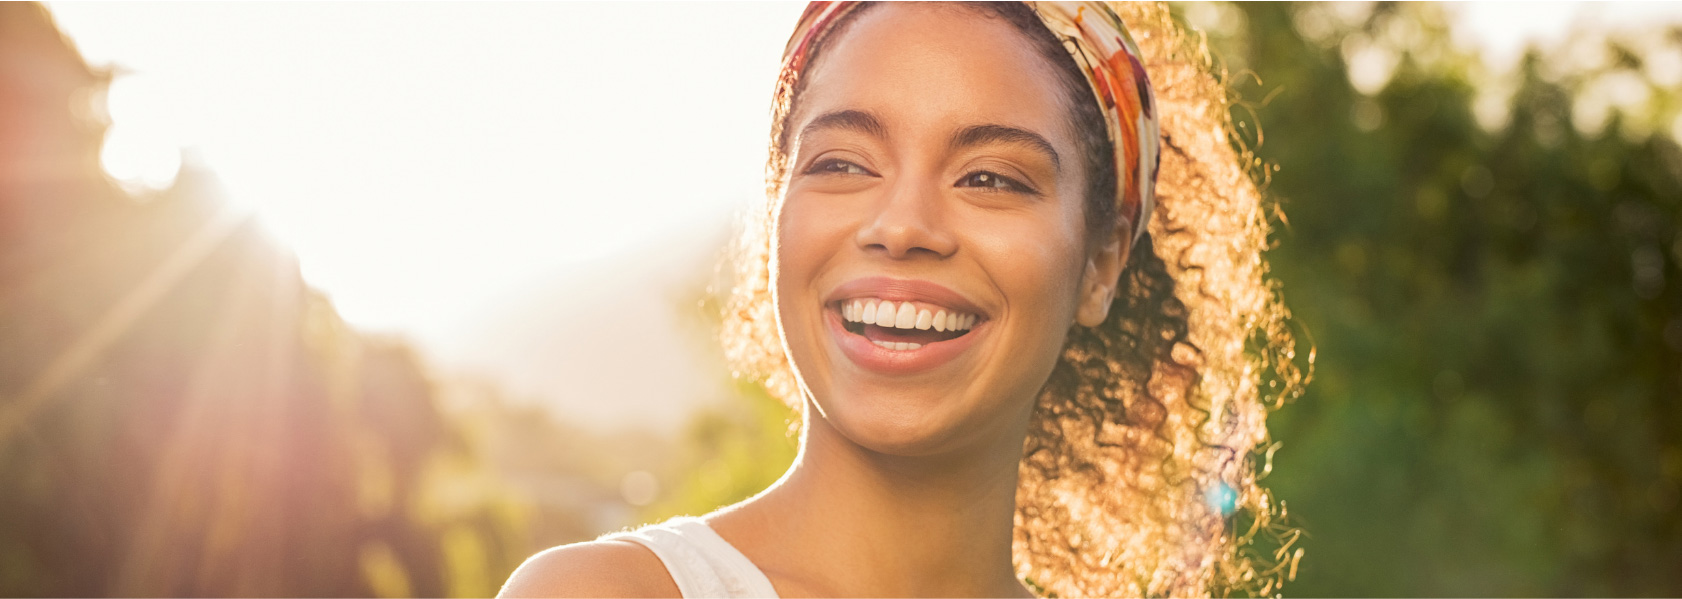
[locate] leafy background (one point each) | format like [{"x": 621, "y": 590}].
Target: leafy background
[{"x": 1485, "y": 261}]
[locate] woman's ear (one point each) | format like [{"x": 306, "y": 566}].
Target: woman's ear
[{"x": 1103, "y": 272}]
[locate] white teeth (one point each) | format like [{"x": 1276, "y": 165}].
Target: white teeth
[
  {"x": 904, "y": 315},
  {"x": 897, "y": 346},
  {"x": 885, "y": 314},
  {"x": 907, "y": 316}
]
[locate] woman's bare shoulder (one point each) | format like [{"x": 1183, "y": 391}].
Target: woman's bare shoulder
[{"x": 592, "y": 569}]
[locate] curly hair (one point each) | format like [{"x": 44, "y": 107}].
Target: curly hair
[{"x": 1141, "y": 464}]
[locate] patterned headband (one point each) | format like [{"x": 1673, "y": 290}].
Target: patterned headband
[{"x": 1098, "y": 41}]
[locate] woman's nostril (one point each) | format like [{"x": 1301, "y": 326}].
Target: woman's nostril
[{"x": 908, "y": 243}]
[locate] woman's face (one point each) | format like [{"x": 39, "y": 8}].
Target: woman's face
[{"x": 935, "y": 185}]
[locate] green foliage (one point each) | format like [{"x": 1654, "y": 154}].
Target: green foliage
[
  {"x": 731, "y": 452},
  {"x": 1495, "y": 312}
]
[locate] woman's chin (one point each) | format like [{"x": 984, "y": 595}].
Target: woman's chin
[{"x": 898, "y": 425}]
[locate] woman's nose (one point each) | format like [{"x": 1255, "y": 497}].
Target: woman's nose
[{"x": 907, "y": 223}]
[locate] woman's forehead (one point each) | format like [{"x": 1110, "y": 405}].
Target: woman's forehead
[{"x": 936, "y": 68}]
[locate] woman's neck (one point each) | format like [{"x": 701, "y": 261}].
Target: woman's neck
[{"x": 848, "y": 521}]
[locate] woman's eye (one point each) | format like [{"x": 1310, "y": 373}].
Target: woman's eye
[
  {"x": 994, "y": 181},
  {"x": 837, "y": 167}
]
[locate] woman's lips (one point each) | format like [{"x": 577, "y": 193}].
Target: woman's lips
[
  {"x": 901, "y": 326},
  {"x": 883, "y": 360}
]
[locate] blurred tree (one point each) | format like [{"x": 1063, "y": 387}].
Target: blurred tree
[
  {"x": 1493, "y": 295},
  {"x": 179, "y": 414}
]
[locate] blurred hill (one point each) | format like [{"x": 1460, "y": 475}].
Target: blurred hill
[{"x": 619, "y": 343}]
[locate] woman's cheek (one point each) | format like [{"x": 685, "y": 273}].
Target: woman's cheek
[
  {"x": 793, "y": 237},
  {"x": 1032, "y": 261},
  {"x": 805, "y": 240}
]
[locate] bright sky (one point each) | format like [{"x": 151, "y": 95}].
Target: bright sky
[
  {"x": 1501, "y": 30},
  {"x": 422, "y": 157}
]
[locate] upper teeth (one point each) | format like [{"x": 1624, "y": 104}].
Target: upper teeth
[{"x": 904, "y": 315}]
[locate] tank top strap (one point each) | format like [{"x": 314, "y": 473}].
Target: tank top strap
[{"x": 702, "y": 563}]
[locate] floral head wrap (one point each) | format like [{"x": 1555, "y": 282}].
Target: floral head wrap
[{"x": 1096, "y": 38}]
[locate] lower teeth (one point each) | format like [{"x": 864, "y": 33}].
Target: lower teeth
[{"x": 900, "y": 345}]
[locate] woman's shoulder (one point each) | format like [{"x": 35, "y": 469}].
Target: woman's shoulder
[{"x": 604, "y": 568}]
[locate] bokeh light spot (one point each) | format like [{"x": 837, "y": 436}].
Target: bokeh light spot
[
  {"x": 1222, "y": 499},
  {"x": 639, "y": 487}
]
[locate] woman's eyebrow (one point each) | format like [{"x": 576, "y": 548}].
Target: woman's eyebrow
[
  {"x": 854, "y": 120},
  {"x": 986, "y": 134}
]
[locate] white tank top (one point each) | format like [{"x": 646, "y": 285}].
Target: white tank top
[{"x": 702, "y": 563}]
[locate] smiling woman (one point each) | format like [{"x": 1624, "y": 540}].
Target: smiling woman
[{"x": 1026, "y": 351}]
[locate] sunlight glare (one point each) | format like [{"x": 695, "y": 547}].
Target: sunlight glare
[
  {"x": 141, "y": 151},
  {"x": 420, "y": 158}
]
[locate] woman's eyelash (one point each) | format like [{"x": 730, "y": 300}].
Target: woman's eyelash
[
  {"x": 836, "y": 166},
  {"x": 993, "y": 181}
]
